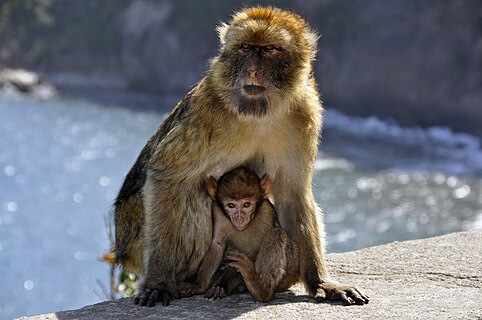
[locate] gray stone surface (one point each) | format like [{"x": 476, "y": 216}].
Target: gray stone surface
[{"x": 436, "y": 278}]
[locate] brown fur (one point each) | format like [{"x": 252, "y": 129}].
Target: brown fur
[
  {"x": 263, "y": 253},
  {"x": 216, "y": 128}
]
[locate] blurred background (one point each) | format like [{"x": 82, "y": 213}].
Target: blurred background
[{"x": 84, "y": 84}]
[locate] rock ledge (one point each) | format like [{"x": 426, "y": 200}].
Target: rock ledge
[{"x": 435, "y": 278}]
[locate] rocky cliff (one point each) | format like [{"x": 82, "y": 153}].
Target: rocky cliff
[{"x": 417, "y": 62}]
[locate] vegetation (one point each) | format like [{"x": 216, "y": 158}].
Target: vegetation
[
  {"x": 121, "y": 282},
  {"x": 43, "y": 34}
]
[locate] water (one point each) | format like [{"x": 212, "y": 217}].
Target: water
[
  {"x": 388, "y": 183},
  {"x": 62, "y": 162}
]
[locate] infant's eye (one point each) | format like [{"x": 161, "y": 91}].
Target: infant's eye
[
  {"x": 247, "y": 205},
  {"x": 231, "y": 205}
]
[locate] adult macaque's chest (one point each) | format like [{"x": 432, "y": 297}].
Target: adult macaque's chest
[{"x": 263, "y": 146}]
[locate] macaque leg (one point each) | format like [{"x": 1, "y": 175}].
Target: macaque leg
[
  {"x": 168, "y": 244},
  {"x": 210, "y": 263},
  {"x": 300, "y": 216}
]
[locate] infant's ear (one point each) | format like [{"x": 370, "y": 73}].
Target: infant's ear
[
  {"x": 211, "y": 186},
  {"x": 266, "y": 185}
]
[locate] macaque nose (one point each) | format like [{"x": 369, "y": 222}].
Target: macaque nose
[
  {"x": 252, "y": 76},
  {"x": 252, "y": 72}
]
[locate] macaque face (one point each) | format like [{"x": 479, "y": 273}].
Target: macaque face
[
  {"x": 240, "y": 211},
  {"x": 260, "y": 60},
  {"x": 264, "y": 61},
  {"x": 258, "y": 71}
]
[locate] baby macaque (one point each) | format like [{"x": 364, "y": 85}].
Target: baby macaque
[{"x": 247, "y": 234}]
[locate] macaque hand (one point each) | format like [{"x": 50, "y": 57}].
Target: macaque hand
[
  {"x": 149, "y": 297},
  {"x": 241, "y": 262},
  {"x": 188, "y": 289},
  {"x": 347, "y": 294},
  {"x": 216, "y": 292}
]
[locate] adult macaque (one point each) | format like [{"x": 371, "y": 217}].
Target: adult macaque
[
  {"x": 257, "y": 106},
  {"x": 246, "y": 228}
]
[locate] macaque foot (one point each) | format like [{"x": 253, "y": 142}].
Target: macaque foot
[
  {"x": 227, "y": 282},
  {"x": 216, "y": 292},
  {"x": 149, "y": 297},
  {"x": 347, "y": 294},
  {"x": 188, "y": 289}
]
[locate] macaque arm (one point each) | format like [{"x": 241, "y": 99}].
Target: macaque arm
[
  {"x": 210, "y": 263},
  {"x": 255, "y": 285},
  {"x": 214, "y": 256},
  {"x": 262, "y": 277},
  {"x": 172, "y": 194},
  {"x": 245, "y": 267}
]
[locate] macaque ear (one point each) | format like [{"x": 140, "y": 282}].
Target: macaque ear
[
  {"x": 266, "y": 185},
  {"x": 211, "y": 186},
  {"x": 222, "y": 30}
]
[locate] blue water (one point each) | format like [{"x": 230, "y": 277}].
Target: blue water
[{"x": 63, "y": 160}]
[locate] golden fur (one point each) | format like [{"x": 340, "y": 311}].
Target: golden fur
[{"x": 207, "y": 135}]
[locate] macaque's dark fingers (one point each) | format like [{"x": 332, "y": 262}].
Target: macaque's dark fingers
[
  {"x": 236, "y": 265},
  {"x": 241, "y": 259},
  {"x": 209, "y": 293},
  {"x": 217, "y": 292},
  {"x": 342, "y": 296},
  {"x": 153, "y": 297},
  {"x": 142, "y": 297},
  {"x": 221, "y": 293},
  {"x": 185, "y": 289},
  {"x": 346, "y": 294},
  {"x": 320, "y": 296},
  {"x": 365, "y": 297},
  {"x": 166, "y": 298},
  {"x": 175, "y": 294},
  {"x": 236, "y": 255},
  {"x": 357, "y": 296},
  {"x": 187, "y": 292}
]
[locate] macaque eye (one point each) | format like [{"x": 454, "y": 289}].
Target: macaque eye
[
  {"x": 247, "y": 205},
  {"x": 231, "y": 205},
  {"x": 245, "y": 47},
  {"x": 270, "y": 50}
]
